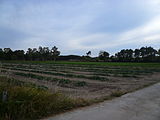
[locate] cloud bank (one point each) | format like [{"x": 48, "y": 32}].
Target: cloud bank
[{"x": 77, "y": 26}]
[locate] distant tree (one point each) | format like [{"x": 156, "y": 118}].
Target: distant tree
[
  {"x": 158, "y": 57},
  {"x": 158, "y": 52},
  {"x": 7, "y": 50},
  {"x": 148, "y": 54},
  {"x": 103, "y": 55},
  {"x": 8, "y": 53},
  {"x": 137, "y": 54},
  {"x": 1, "y": 54},
  {"x": 29, "y": 54},
  {"x": 32, "y": 54},
  {"x": 35, "y": 54},
  {"x": 124, "y": 55},
  {"x": 18, "y": 55},
  {"x": 144, "y": 54},
  {"x": 55, "y": 53},
  {"x": 40, "y": 51},
  {"x": 129, "y": 55},
  {"x": 46, "y": 53},
  {"x": 148, "y": 51},
  {"x": 113, "y": 58},
  {"x": 88, "y": 53}
]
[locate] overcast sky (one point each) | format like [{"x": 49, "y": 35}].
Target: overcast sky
[{"x": 77, "y": 26}]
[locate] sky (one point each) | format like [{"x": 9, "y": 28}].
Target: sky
[{"x": 78, "y": 26}]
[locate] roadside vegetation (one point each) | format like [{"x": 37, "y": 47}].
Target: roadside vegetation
[{"x": 26, "y": 101}]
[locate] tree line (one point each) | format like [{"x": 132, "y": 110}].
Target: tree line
[
  {"x": 144, "y": 54},
  {"x": 40, "y": 54}
]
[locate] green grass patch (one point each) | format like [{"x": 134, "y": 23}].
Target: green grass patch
[
  {"x": 61, "y": 82},
  {"x": 86, "y": 63}
]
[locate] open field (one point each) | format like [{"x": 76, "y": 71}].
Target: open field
[
  {"x": 88, "y": 80},
  {"x": 60, "y": 86}
]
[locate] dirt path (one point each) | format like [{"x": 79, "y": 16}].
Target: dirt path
[{"x": 143, "y": 104}]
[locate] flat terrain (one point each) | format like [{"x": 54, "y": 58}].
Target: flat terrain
[
  {"x": 87, "y": 80},
  {"x": 49, "y": 88},
  {"x": 140, "y": 105}
]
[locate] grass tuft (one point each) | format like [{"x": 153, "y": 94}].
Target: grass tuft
[{"x": 117, "y": 94}]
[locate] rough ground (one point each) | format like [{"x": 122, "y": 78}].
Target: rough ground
[{"x": 143, "y": 104}]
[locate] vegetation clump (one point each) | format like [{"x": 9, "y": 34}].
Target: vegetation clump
[
  {"x": 80, "y": 83},
  {"x": 117, "y": 93},
  {"x": 27, "y": 102}
]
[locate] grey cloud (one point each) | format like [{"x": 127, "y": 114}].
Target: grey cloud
[{"x": 11, "y": 37}]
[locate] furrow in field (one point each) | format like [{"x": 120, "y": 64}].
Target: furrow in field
[
  {"x": 71, "y": 76},
  {"x": 90, "y": 82}
]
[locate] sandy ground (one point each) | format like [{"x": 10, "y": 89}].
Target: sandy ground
[{"x": 143, "y": 104}]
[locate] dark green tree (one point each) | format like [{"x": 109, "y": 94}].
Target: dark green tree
[
  {"x": 125, "y": 55},
  {"x": 1, "y": 54},
  {"x": 18, "y": 55},
  {"x": 158, "y": 52},
  {"x": 55, "y": 53},
  {"x": 8, "y": 53},
  {"x": 88, "y": 53},
  {"x": 103, "y": 55},
  {"x": 148, "y": 54},
  {"x": 29, "y": 54}
]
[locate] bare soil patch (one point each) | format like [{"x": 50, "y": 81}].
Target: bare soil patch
[{"x": 123, "y": 79}]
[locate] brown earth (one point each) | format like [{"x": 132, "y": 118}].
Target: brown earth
[{"x": 94, "y": 88}]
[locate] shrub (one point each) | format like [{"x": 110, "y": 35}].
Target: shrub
[{"x": 27, "y": 102}]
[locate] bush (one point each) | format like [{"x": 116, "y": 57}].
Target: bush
[{"x": 30, "y": 102}]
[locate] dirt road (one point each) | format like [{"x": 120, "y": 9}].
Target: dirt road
[{"x": 143, "y": 104}]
